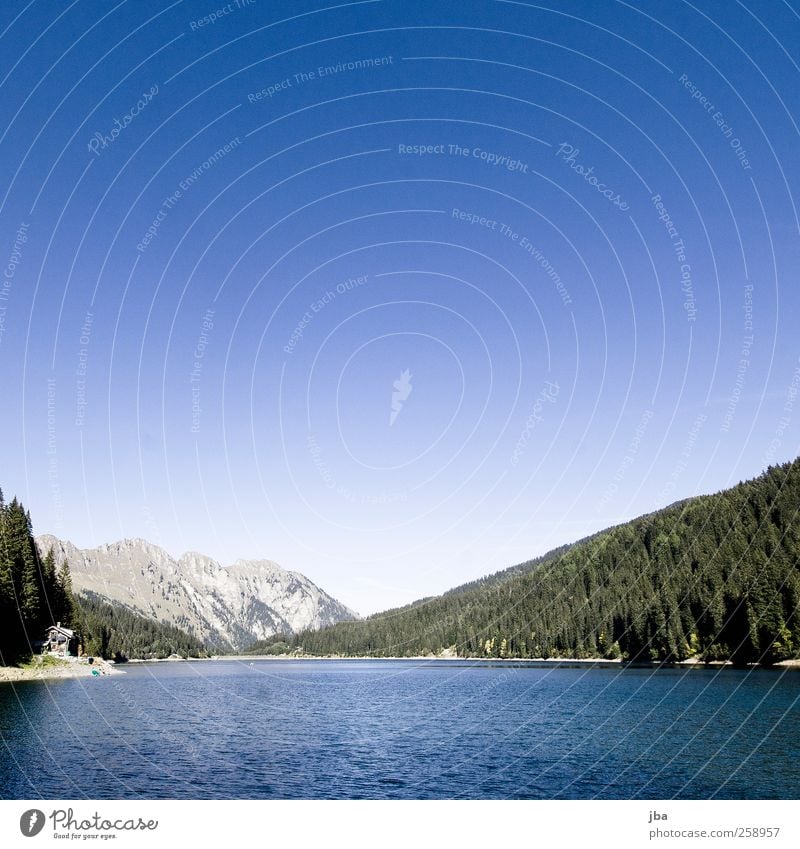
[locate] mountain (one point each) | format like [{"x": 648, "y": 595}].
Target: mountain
[
  {"x": 222, "y": 607},
  {"x": 113, "y": 631},
  {"x": 716, "y": 577}
]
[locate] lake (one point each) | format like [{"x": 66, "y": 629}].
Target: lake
[{"x": 402, "y": 729}]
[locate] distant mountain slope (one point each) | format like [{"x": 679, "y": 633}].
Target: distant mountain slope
[
  {"x": 222, "y": 607},
  {"x": 716, "y": 577},
  {"x": 112, "y": 631}
]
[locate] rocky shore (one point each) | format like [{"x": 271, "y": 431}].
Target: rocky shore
[{"x": 50, "y": 668}]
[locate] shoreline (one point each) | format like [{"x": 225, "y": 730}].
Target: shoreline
[
  {"x": 82, "y": 669},
  {"x": 541, "y": 661},
  {"x": 77, "y": 668},
  {"x": 566, "y": 662}
]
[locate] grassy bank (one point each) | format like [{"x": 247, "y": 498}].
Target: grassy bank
[{"x": 43, "y": 668}]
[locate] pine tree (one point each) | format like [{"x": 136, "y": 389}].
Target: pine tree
[
  {"x": 50, "y": 586},
  {"x": 67, "y": 608},
  {"x": 715, "y": 577},
  {"x": 19, "y": 583},
  {"x": 8, "y": 599}
]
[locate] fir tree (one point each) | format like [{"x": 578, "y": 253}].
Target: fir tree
[
  {"x": 66, "y": 612},
  {"x": 715, "y": 577}
]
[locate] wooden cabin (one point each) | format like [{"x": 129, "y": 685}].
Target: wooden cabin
[{"x": 61, "y": 641}]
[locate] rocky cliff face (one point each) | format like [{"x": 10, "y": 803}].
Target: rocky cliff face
[{"x": 225, "y": 607}]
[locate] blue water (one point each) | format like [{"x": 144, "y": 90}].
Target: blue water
[{"x": 370, "y": 729}]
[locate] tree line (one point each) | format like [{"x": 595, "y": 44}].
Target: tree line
[
  {"x": 113, "y": 631},
  {"x": 714, "y": 577},
  {"x": 36, "y": 592}
]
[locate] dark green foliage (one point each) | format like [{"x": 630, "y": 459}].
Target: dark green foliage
[
  {"x": 113, "y": 631},
  {"x": 26, "y": 586},
  {"x": 715, "y": 577},
  {"x": 35, "y": 593},
  {"x": 64, "y": 605},
  {"x": 278, "y": 644}
]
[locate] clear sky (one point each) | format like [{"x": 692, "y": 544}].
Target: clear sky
[{"x": 396, "y": 294}]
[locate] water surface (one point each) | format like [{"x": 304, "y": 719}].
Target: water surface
[{"x": 402, "y": 729}]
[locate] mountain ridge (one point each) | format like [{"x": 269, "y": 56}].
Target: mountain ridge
[
  {"x": 712, "y": 577},
  {"x": 226, "y": 607}
]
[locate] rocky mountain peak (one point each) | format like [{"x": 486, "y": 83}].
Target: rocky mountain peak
[{"x": 225, "y": 607}]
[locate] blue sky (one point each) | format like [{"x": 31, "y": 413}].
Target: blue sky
[{"x": 229, "y": 230}]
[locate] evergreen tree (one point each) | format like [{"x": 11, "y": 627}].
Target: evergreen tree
[
  {"x": 34, "y": 593},
  {"x": 716, "y": 577},
  {"x": 9, "y": 616},
  {"x": 49, "y": 585},
  {"x": 20, "y": 584},
  {"x": 112, "y": 631},
  {"x": 66, "y": 611}
]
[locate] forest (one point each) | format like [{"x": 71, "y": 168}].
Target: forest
[
  {"x": 113, "y": 631},
  {"x": 714, "y": 578},
  {"x": 36, "y": 592}
]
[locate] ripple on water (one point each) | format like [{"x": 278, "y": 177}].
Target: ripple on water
[{"x": 403, "y": 730}]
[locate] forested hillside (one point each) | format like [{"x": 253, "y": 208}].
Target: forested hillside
[
  {"x": 33, "y": 592},
  {"x": 36, "y": 592},
  {"x": 111, "y": 631},
  {"x": 715, "y": 577}
]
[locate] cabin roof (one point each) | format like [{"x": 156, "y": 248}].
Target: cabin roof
[{"x": 67, "y": 632}]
